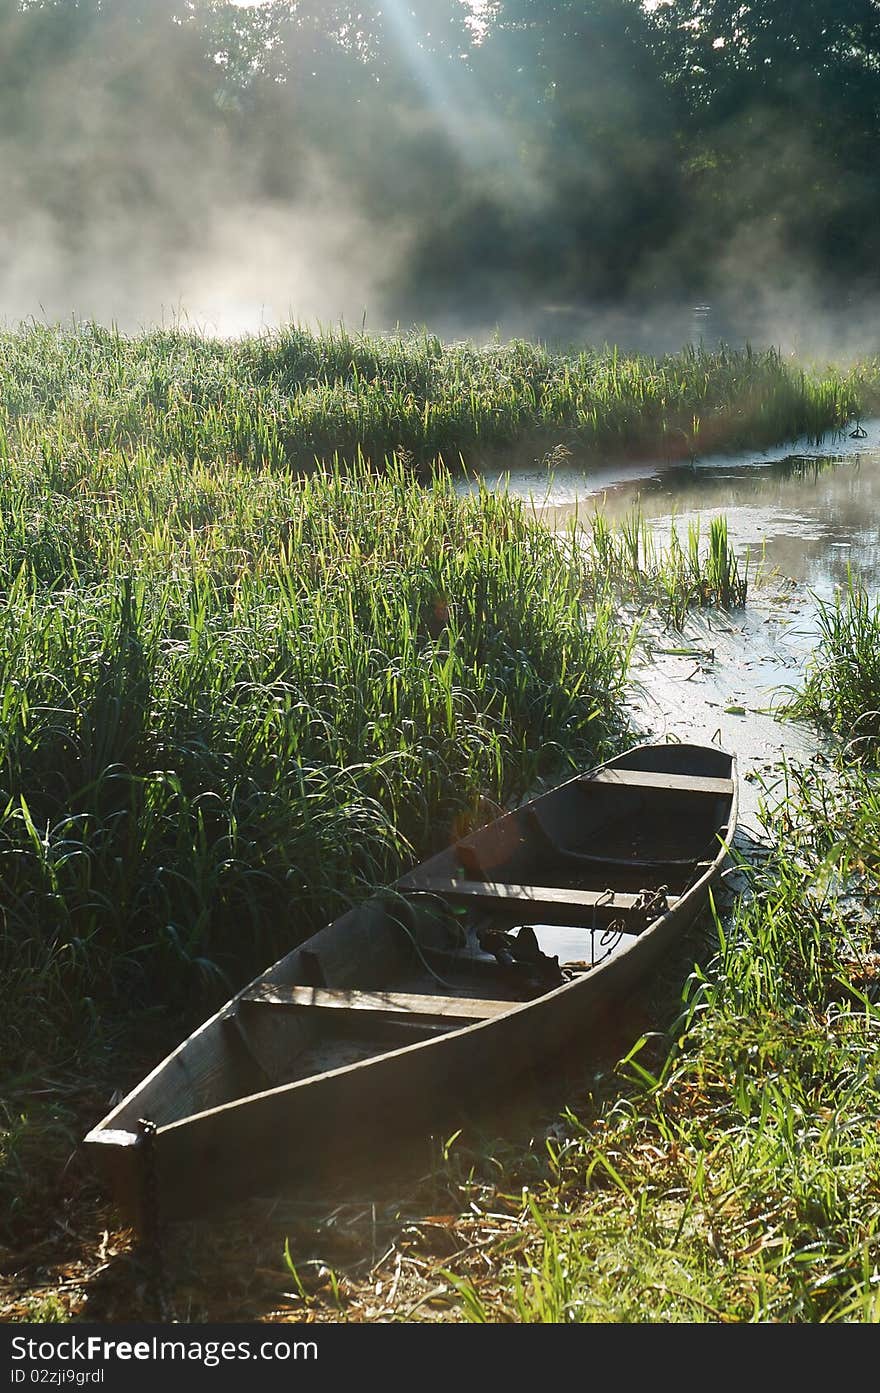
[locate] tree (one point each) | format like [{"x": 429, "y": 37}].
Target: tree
[
  {"x": 593, "y": 127},
  {"x": 782, "y": 124}
]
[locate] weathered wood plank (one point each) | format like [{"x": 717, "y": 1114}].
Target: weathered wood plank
[
  {"x": 112, "y": 1136},
  {"x": 644, "y": 778},
  {"x": 534, "y": 896},
  {"x": 403, "y": 1003}
]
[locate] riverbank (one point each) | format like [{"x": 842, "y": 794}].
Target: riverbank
[
  {"x": 230, "y": 687},
  {"x": 535, "y": 1212}
]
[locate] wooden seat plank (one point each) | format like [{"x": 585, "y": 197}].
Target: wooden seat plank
[
  {"x": 534, "y": 896},
  {"x": 401, "y": 1003},
  {"x": 672, "y": 783}
]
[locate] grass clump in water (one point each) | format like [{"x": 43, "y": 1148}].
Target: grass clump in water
[
  {"x": 629, "y": 564},
  {"x": 841, "y": 690}
]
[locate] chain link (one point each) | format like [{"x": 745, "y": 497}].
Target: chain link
[{"x": 650, "y": 905}]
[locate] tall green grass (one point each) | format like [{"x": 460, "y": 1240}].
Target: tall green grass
[
  {"x": 292, "y": 396},
  {"x": 841, "y": 690},
  {"x": 230, "y": 701}
]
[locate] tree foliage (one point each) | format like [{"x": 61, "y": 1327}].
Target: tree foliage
[{"x": 556, "y": 150}]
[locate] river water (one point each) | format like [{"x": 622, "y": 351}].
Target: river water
[{"x": 803, "y": 518}]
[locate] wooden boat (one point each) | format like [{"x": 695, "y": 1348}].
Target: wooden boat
[{"x": 484, "y": 961}]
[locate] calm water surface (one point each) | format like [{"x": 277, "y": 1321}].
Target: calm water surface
[
  {"x": 810, "y": 515},
  {"x": 810, "y": 511}
]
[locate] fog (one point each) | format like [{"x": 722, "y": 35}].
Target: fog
[
  {"x": 236, "y": 168},
  {"x": 247, "y": 267}
]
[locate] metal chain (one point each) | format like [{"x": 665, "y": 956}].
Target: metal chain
[
  {"x": 656, "y": 901},
  {"x": 651, "y": 904},
  {"x": 151, "y": 1222}
]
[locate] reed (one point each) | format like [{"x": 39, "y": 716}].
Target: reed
[
  {"x": 233, "y": 700},
  {"x": 630, "y": 565},
  {"x": 291, "y": 397},
  {"x": 841, "y": 690}
]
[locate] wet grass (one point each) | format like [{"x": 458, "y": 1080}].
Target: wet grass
[
  {"x": 225, "y": 695},
  {"x": 841, "y": 691},
  {"x": 292, "y": 396},
  {"x": 630, "y": 565}
]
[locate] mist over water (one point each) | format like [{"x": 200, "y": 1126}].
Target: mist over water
[
  {"x": 131, "y": 197},
  {"x": 549, "y": 172},
  {"x": 252, "y": 266}
]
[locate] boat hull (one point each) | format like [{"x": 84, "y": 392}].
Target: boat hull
[{"x": 268, "y": 1139}]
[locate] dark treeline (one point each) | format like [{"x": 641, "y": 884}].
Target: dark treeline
[{"x": 467, "y": 162}]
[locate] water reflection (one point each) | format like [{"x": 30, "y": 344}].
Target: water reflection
[
  {"x": 810, "y": 524},
  {"x": 810, "y": 514}
]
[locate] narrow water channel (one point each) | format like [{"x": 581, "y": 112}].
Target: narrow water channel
[{"x": 804, "y": 518}]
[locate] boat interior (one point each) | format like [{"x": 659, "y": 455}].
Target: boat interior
[{"x": 546, "y": 893}]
